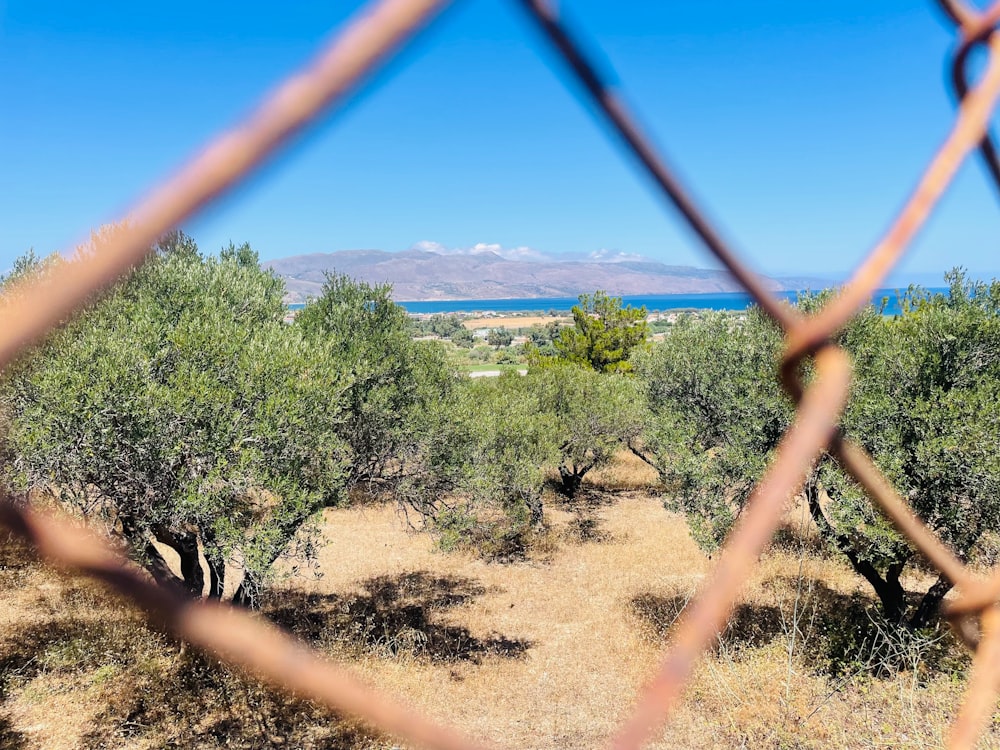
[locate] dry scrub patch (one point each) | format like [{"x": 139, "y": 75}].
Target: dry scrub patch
[
  {"x": 585, "y": 658},
  {"x": 81, "y": 669}
]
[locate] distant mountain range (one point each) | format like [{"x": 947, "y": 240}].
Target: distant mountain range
[{"x": 424, "y": 275}]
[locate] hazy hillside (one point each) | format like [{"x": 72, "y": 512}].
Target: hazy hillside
[{"x": 423, "y": 275}]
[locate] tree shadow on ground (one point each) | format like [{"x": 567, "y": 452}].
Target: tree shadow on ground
[
  {"x": 586, "y": 527},
  {"x": 10, "y": 738},
  {"x": 585, "y": 506},
  {"x": 206, "y": 705},
  {"x": 15, "y": 553},
  {"x": 17, "y": 559},
  {"x": 810, "y": 603},
  {"x": 61, "y": 644},
  {"x": 839, "y": 633},
  {"x": 196, "y": 701},
  {"x": 154, "y": 692},
  {"x": 394, "y": 616},
  {"x": 150, "y": 690},
  {"x": 749, "y": 626}
]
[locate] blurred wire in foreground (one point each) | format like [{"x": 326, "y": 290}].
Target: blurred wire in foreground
[{"x": 34, "y": 307}]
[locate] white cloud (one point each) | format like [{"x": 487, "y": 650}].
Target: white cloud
[
  {"x": 521, "y": 253},
  {"x": 430, "y": 247},
  {"x": 482, "y": 247},
  {"x": 525, "y": 253},
  {"x": 612, "y": 256}
]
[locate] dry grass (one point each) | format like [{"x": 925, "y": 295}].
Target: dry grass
[
  {"x": 626, "y": 472},
  {"x": 514, "y": 322},
  {"x": 546, "y": 653}
]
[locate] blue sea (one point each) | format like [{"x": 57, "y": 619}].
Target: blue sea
[{"x": 660, "y": 302}]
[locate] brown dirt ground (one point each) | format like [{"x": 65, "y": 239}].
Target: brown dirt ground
[{"x": 586, "y": 621}]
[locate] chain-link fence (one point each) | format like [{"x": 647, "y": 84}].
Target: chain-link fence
[{"x": 35, "y": 306}]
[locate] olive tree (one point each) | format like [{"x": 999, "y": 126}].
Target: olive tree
[
  {"x": 498, "y": 337},
  {"x": 182, "y": 410},
  {"x": 394, "y": 381},
  {"x": 715, "y": 415},
  {"x": 463, "y": 338},
  {"x": 925, "y": 403},
  {"x": 595, "y": 415},
  {"x": 482, "y": 465},
  {"x": 28, "y": 265}
]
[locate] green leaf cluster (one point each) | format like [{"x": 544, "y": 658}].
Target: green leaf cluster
[
  {"x": 395, "y": 383},
  {"x": 926, "y": 404},
  {"x": 715, "y": 414},
  {"x": 604, "y": 334},
  {"x": 594, "y": 415},
  {"x": 482, "y": 464}
]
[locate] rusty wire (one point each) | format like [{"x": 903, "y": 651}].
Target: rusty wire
[
  {"x": 327, "y": 80},
  {"x": 228, "y": 633},
  {"x": 36, "y": 305},
  {"x": 973, "y": 36},
  {"x": 805, "y": 336}
]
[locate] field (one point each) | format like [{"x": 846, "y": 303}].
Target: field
[
  {"x": 514, "y": 322},
  {"x": 545, "y": 652}
]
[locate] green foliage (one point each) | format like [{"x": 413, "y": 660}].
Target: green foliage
[
  {"x": 508, "y": 356},
  {"x": 855, "y": 639},
  {"x": 538, "y": 335},
  {"x": 715, "y": 414},
  {"x": 394, "y": 380},
  {"x": 926, "y": 405},
  {"x": 444, "y": 326},
  {"x": 180, "y": 408},
  {"x": 498, "y": 337},
  {"x": 27, "y": 265},
  {"x": 594, "y": 416},
  {"x": 482, "y": 464},
  {"x": 539, "y": 346},
  {"x": 481, "y": 354},
  {"x": 661, "y": 326},
  {"x": 497, "y": 533},
  {"x": 604, "y": 333},
  {"x": 463, "y": 338}
]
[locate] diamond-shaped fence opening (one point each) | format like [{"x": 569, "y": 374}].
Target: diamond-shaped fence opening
[{"x": 34, "y": 306}]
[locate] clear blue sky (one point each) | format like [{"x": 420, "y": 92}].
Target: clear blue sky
[{"x": 801, "y": 126}]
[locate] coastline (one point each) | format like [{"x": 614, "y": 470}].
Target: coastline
[{"x": 733, "y": 301}]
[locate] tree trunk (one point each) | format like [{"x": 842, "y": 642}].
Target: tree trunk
[
  {"x": 151, "y": 559},
  {"x": 185, "y": 544},
  {"x": 216, "y": 574},
  {"x": 250, "y": 588},
  {"x": 644, "y": 458},
  {"x": 248, "y": 593},
  {"x": 889, "y": 590},
  {"x": 571, "y": 479},
  {"x": 160, "y": 570},
  {"x": 931, "y": 602},
  {"x": 892, "y": 594},
  {"x": 216, "y": 566},
  {"x": 535, "y": 509}
]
